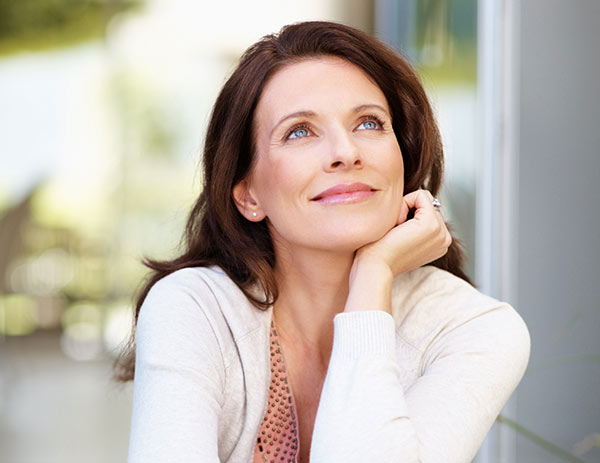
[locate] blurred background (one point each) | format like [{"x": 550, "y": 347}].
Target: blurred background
[{"x": 103, "y": 107}]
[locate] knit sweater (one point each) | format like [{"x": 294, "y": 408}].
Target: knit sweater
[{"x": 424, "y": 384}]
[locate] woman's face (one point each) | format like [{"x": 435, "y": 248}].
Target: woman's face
[{"x": 328, "y": 172}]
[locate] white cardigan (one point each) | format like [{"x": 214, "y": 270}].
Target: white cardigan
[{"x": 422, "y": 386}]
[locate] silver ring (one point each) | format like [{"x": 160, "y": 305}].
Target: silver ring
[{"x": 436, "y": 204}]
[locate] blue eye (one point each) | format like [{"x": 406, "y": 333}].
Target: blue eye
[
  {"x": 299, "y": 132},
  {"x": 368, "y": 125}
]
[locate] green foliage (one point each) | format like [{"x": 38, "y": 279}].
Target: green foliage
[
  {"x": 445, "y": 40},
  {"x": 30, "y": 25},
  {"x": 461, "y": 69}
]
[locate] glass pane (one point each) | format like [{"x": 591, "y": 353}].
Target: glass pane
[
  {"x": 102, "y": 113},
  {"x": 440, "y": 39}
]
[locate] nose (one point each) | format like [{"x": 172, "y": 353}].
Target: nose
[{"x": 343, "y": 152}]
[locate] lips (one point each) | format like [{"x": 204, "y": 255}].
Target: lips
[{"x": 345, "y": 193}]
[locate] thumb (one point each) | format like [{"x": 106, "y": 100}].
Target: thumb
[{"x": 404, "y": 210}]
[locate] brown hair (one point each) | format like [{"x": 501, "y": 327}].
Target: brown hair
[{"x": 216, "y": 233}]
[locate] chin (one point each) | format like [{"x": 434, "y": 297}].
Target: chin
[
  {"x": 334, "y": 233},
  {"x": 351, "y": 237}
]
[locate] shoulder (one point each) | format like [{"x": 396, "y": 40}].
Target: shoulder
[
  {"x": 434, "y": 309},
  {"x": 195, "y": 282},
  {"x": 207, "y": 288},
  {"x": 182, "y": 295},
  {"x": 197, "y": 302}
]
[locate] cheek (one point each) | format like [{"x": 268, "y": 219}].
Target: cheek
[
  {"x": 278, "y": 185},
  {"x": 394, "y": 167},
  {"x": 400, "y": 175}
]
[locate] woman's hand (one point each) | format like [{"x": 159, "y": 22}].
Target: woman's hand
[{"x": 410, "y": 244}]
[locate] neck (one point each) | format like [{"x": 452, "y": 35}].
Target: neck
[{"x": 313, "y": 288}]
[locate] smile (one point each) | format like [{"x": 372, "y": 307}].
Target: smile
[{"x": 345, "y": 194}]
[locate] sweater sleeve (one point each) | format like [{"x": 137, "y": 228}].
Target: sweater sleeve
[
  {"x": 366, "y": 415},
  {"x": 178, "y": 380}
]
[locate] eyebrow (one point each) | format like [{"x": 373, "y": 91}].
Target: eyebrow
[
  {"x": 306, "y": 113},
  {"x": 293, "y": 115},
  {"x": 370, "y": 106}
]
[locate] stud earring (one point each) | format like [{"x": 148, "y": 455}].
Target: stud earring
[{"x": 254, "y": 214}]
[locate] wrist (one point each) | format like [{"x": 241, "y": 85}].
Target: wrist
[{"x": 370, "y": 286}]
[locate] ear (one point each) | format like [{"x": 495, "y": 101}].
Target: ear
[{"x": 246, "y": 203}]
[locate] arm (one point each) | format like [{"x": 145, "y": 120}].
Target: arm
[
  {"x": 469, "y": 373},
  {"x": 363, "y": 414},
  {"x": 410, "y": 244},
  {"x": 178, "y": 380},
  {"x": 366, "y": 415}
]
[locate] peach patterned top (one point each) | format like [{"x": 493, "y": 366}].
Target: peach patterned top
[{"x": 277, "y": 440}]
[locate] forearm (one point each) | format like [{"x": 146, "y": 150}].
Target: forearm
[
  {"x": 363, "y": 414},
  {"x": 370, "y": 411}
]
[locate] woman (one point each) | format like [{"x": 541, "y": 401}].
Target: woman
[{"x": 302, "y": 320}]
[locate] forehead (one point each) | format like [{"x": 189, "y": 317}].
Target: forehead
[{"x": 316, "y": 84}]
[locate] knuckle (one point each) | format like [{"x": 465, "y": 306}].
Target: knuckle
[{"x": 433, "y": 228}]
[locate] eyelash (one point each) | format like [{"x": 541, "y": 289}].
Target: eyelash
[
  {"x": 294, "y": 128},
  {"x": 367, "y": 118},
  {"x": 374, "y": 118}
]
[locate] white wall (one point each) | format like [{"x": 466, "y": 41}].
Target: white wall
[{"x": 558, "y": 260}]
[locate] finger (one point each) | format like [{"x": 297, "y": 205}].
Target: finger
[
  {"x": 424, "y": 199},
  {"x": 431, "y": 200},
  {"x": 428, "y": 194},
  {"x": 423, "y": 204},
  {"x": 408, "y": 203},
  {"x": 436, "y": 209},
  {"x": 404, "y": 210},
  {"x": 426, "y": 210},
  {"x": 418, "y": 199}
]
